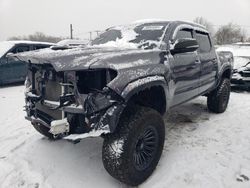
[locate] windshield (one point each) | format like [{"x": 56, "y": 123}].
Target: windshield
[
  {"x": 146, "y": 36},
  {"x": 5, "y": 47}
]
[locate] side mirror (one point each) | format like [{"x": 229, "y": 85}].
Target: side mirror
[{"x": 184, "y": 45}]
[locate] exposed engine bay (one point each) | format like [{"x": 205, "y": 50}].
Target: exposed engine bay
[{"x": 72, "y": 102}]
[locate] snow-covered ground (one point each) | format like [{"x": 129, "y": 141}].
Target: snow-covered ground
[{"x": 201, "y": 150}]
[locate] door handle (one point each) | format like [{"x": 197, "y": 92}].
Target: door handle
[{"x": 197, "y": 62}]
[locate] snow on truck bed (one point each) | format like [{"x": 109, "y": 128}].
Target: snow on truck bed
[{"x": 201, "y": 150}]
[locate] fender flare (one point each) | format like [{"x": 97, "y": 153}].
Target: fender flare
[
  {"x": 222, "y": 71},
  {"x": 141, "y": 84}
]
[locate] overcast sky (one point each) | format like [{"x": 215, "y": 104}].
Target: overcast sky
[{"x": 23, "y": 17}]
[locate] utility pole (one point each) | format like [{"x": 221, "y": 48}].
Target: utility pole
[
  {"x": 90, "y": 35},
  {"x": 71, "y": 31}
]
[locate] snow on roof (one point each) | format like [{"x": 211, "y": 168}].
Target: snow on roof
[
  {"x": 239, "y": 51},
  {"x": 162, "y": 20},
  {"x": 72, "y": 42},
  {"x": 242, "y": 43},
  {"x": 148, "y": 21},
  {"x": 28, "y": 42},
  {"x": 5, "y": 46},
  {"x": 194, "y": 23}
]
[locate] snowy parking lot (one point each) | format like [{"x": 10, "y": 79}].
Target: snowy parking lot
[{"x": 201, "y": 149}]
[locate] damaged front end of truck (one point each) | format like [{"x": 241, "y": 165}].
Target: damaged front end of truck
[{"x": 72, "y": 104}]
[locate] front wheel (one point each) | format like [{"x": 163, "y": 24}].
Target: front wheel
[
  {"x": 217, "y": 100},
  {"x": 132, "y": 153}
]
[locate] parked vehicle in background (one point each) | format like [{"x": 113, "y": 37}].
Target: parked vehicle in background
[
  {"x": 242, "y": 44},
  {"x": 13, "y": 70},
  {"x": 119, "y": 87},
  {"x": 72, "y": 42},
  {"x": 241, "y": 70}
]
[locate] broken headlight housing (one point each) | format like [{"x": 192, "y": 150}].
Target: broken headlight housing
[
  {"x": 28, "y": 85},
  {"x": 89, "y": 81}
]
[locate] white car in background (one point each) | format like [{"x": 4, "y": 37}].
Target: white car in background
[
  {"x": 13, "y": 70},
  {"x": 241, "y": 70}
]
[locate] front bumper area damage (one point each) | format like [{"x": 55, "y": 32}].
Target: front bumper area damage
[{"x": 72, "y": 115}]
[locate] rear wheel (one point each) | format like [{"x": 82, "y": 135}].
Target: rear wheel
[
  {"x": 217, "y": 100},
  {"x": 132, "y": 153}
]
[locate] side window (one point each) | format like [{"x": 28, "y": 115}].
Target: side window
[
  {"x": 37, "y": 47},
  {"x": 204, "y": 42},
  {"x": 20, "y": 49},
  {"x": 184, "y": 33}
]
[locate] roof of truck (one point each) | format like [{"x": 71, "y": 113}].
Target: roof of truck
[{"x": 167, "y": 21}]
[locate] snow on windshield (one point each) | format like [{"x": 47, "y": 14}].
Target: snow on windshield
[
  {"x": 146, "y": 36},
  {"x": 5, "y": 47}
]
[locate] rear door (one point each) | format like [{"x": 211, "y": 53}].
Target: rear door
[
  {"x": 186, "y": 71},
  {"x": 208, "y": 60}
]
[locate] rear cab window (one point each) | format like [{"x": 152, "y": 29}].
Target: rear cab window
[{"x": 204, "y": 42}]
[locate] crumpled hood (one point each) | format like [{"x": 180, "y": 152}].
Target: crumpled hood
[{"x": 91, "y": 57}]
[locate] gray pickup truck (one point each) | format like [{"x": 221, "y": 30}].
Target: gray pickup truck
[{"x": 120, "y": 85}]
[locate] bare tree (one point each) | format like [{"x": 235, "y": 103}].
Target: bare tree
[
  {"x": 229, "y": 34},
  {"x": 38, "y": 36},
  {"x": 206, "y": 23}
]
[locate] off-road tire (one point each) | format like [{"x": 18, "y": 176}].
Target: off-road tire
[
  {"x": 123, "y": 151},
  {"x": 217, "y": 100},
  {"x": 44, "y": 131}
]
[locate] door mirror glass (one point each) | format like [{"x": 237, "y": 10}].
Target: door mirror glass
[{"x": 185, "y": 45}]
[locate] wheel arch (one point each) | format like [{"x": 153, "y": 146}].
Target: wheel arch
[
  {"x": 225, "y": 73},
  {"x": 149, "y": 92}
]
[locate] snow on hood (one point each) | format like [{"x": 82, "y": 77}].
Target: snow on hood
[
  {"x": 84, "y": 58},
  {"x": 5, "y": 47}
]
